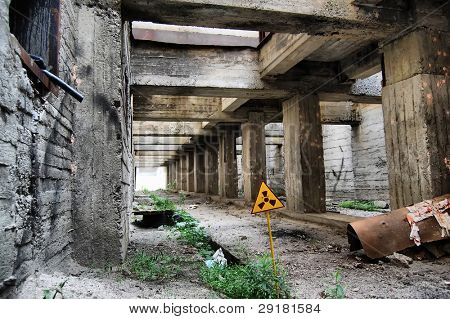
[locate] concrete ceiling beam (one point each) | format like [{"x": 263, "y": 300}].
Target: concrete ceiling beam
[{"x": 341, "y": 17}]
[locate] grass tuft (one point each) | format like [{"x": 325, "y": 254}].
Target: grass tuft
[
  {"x": 153, "y": 267},
  {"x": 336, "y": 290},
  {"x": 255, "y": 280},
  {"x": 161, "y": 203},
  {"x": 190, "y": 232},
  {"x": 359, "y": 204}
]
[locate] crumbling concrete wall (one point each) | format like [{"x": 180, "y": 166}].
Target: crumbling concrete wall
[
  {"x": 339, "y": 177},
  {"x": 369, "y": 155},
  {"x": 64, "y": 166},
  {"x": 36, "y": 153},
  {"x": 102, "y": 139}
]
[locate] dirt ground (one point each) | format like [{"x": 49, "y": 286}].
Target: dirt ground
[{"x": 309, "y": 254}]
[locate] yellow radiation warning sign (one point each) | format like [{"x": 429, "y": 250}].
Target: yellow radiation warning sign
[{"x": 266, "y": 200}]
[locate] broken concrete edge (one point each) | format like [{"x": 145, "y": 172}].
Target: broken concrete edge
[
  {"x": 385, "y": 234},
  {"x": 331, "y": 219}
]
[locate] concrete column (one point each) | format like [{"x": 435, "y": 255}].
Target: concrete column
[
  {"x": 304, "y": 166},
  {"x": 253, "y": 155},
  {"x": 228, "y": 177},
  {"x": 167, "y": 176},
  {"x": 199, "y": 169},
  {"x": 211, "y": 169},
  {"x": 178, "y": 168},
  {"x": 172, "y": 175},
  {"x": 190, "y": 171},
  {"x": 184, "y": 172},
  {"x": 416, "y": 115}
]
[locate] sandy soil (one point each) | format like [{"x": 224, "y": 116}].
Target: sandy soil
[{"x": 309, "y": 253}]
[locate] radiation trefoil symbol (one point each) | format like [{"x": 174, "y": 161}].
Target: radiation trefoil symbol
[{"x": 266, "y": 200}]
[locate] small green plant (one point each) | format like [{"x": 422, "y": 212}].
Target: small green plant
[
  {"x": 254, "y": 280},
  {"x": 181, "y": 199},
  {"x": 336, "y": 290},
  {"x": 145, "y": 191},
  {"x": 172, "y": 185},
  {"x": 153, "y": 267},
  {"x": 52, "y": 293},
  {"x": 161, "y": 203},
  {"x": 359, "y": 204},
  {"x": 190, "y": 232}
]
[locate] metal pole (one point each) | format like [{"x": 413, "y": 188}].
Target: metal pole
[{"x": 272, "y": 251}]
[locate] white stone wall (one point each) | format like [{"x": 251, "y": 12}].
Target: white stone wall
[
  {"x": 339, "y": 177},
  {"x": 369, "y": 155}
]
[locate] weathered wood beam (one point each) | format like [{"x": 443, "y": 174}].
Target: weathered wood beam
[
  {"x": 161, "y": 140},
  {"x": 312, "y": 17},
  {"x": 178, "y": 129},
  {"x": 198, "y": 71},
  {"x": 157, "y": 148},
  {"x": 193, "y": 35},
  {"x": 277, "y": 56},
  {"x": 284, "y": 51},
  {"x": 362, "y": 63},
  {"x": 335, "y": 113},
  {"x": 232, "y": 104},
  {"x": 156, "y": 154}
]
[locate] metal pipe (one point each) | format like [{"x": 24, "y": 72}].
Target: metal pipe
[
  {"x": 56, "y": 80},
  {"x": 63, "y": 85}
]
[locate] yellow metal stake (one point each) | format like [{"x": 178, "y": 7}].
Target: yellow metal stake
[{"x": 272, "y": 251}]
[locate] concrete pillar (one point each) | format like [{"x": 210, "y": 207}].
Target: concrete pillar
[
  {"x": 228, "y": 177},
  {"x": 304, "y": 166},
  {"x": 199, "y": 169},
  {"x": 172, "y": 175},
  {"x": 184, "y": 172},
  {"x": 253, "y": 155},
  {"x": 178, "y": 174},
  {"x": 167, "y": 176},
  {"x": 211, "y": 169},
  {"x": 190, "y": 171},
  {"x": 416, "y": 115}
]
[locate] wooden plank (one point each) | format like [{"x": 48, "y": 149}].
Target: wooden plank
[
  {"x": 345, "y": 113},
  {"x": 179, "y": 129},
  {"x": 362, "y": 63},
  {"x": 194, "y": 35},
  {"x": 176, "y": 104},
  {"x": 232, "y": 104},
  {"x": 341, "y": 17},
  {"x": 284, "y": 51},
  {"x": 195, "y": 71},
  {"x": 161, "y": 140},
  {"x": 162, "y": 148}
]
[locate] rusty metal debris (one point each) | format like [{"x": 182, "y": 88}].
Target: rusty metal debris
[{"x": 382, "y": 235}]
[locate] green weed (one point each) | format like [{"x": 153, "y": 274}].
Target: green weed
[
  {"x": 359, "y": 204},
  {"x": 172, "y": 185},
  {"x": 190, "y": 232},
  {"x": 255, "y": 280},
  {"x": 161, "y": 203},
  {"x": 153, "y": 267},
  {"x": 52, "y": 293},
  {"x": 336, "y": 290}
]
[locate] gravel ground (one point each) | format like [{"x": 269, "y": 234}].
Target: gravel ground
[{"x": 309, "y": 253}]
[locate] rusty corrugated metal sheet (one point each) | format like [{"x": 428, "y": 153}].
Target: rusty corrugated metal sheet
[{"x": 385, "y": 234}]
